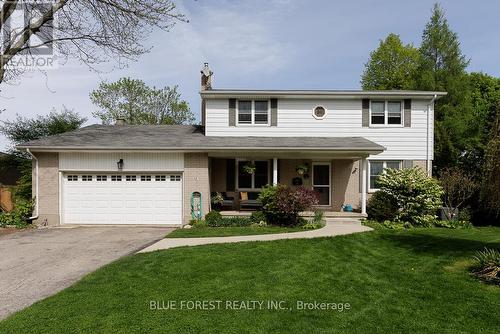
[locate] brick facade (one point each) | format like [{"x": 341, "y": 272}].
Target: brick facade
[
  {"x": 48, "y": 188},
  {"x": 196, "y": 178}
]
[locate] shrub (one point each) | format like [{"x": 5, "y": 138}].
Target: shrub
[
  {"x": 230, "y": 221},
  {"x": 458, "y": 187},
  {"x": 487, "y": 265},
  {"x": 282, "y": 204},
  {"x": 319, "y": 217},
  {"x": 381, "y": 207},
  {"x": 257, "y": 217},
  {"x": 417, "y": 195},
  {"x": 212, "y": 218},
  {"x": 197, "y": 223},
  {"x": 19, "y": 216}
]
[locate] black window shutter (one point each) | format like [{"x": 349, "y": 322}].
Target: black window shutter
[
  {"x": 232, "y": 112},
  {"x": 365, "y": 113},
  {"x": 274, "y": 112},
  {"x": 230, "y": 174},
  {"x": 407, "y": 113}
]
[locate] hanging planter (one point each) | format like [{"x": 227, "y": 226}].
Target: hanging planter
[
  {"x": 302, "y": 169},
  {"x": 249, "y": 169}
]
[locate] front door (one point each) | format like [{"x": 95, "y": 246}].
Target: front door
[{"x": 321, "y": 181}]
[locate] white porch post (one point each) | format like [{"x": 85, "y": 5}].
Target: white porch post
[
  {"x": 275, "y": 171},
  {"x": 363, "y": 185}
]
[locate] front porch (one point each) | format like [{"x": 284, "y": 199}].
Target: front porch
[{"x": 339, "y": 180}]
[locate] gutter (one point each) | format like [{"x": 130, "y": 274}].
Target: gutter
[
  {"x": 36, "y": 187},
  {"x": 428, "y": 153}
]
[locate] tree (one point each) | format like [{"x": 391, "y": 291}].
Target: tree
[
  {"x": 92, "y": 31},
  {"x": 490, "y": 187},
  {"x": 391, "y": 66},
  {"x": 442, "y": 63},
  {"x": 24, "y": 129},
  {"x": 458, "y": 187},
  {"x": 137, "y": 103}
]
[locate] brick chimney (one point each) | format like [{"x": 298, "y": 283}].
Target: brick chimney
[{"x": 206, "y": 77}]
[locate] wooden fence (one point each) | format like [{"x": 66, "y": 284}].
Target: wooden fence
[{"x": 6, "y": 203}]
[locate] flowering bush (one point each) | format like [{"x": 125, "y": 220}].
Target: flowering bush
[
  {"x": 417, "y": 195},
  {"x": 282, "y": 204}
]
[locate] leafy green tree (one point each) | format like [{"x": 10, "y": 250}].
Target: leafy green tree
[
  {"x": 391, "y": 66},
  {"x": 23, "y": 129},
  {"x": 490, "y": 190},
  {"x": 134, "y": 101}
]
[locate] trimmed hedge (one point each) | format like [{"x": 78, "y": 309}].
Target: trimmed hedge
[{"x": 215, "y": 219}]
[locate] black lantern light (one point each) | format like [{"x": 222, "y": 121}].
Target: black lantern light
[{"x": 119, "y": 164}]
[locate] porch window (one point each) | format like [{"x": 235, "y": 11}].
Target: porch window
[
  {"x": 255, "y": 180},
  {"x": 377, "y": 168},
  {"x": 253, "y": 112}
]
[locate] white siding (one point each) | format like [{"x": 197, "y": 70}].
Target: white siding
[
  {"x": 86, "y": 161},
  {"x": 343, "y": 119}
]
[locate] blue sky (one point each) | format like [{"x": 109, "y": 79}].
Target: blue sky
[{"x": 280, "y": 44}]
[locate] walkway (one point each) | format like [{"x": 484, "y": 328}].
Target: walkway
[{"x": 332, "y": 228}]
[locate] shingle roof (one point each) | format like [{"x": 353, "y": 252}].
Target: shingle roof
[{"x": 186, "y": 137}]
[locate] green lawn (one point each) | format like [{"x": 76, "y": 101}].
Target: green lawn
[
  {"x": 395, "y": 281},
  {"x": 229, "y": 231}
]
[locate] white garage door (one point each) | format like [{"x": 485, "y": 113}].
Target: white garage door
[{"x": 122, "y": 199}]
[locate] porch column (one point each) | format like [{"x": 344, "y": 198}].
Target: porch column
[
  {"x": 275, "y": 171},
  {"x": 363, "y": 185}
]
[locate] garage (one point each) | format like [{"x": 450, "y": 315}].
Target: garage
[{"x": 135, "y": 198}]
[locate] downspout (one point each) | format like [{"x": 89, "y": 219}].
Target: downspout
[
  {"x": 36, "y": 184},
  {"x": 428, "y": 153}
]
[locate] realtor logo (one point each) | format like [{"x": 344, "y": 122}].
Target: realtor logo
[{"x": 25, "y": 42}]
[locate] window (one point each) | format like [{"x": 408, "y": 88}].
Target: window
[
  {"x": 378, "y": 114},
  {"x": 244, "y": 112},
  {"x": 261, "y": 111},
  {"x": 145, "y": 177},
  {"x": 72, "y": 177},
  {"x": 116, "y": 177},
  {"x": 319, "y": 112},
  {"x": 394, "y": 112},
  {"x": 386, "y": 113},
  {"x": 377, "y": 168},
  {"x": 255, "y": 180},
  {"x": 175, "y": 178},
  {"x": 130, "y": 178},
  {"x": 253, "y": 112},
  {"x": 86, "y": 177},
  {"x": 160, "y": 177},
  {"x": 101, "y": 177}
]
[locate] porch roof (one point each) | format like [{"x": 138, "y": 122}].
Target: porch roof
[{"x": 189, "y": 138}]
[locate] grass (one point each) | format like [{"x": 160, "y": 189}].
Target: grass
[
  {"x": 229, "y": 231},
  {"x": 395, "y": 282}
]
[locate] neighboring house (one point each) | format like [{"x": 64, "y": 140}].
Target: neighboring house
[{"x": 340, "y": 139}]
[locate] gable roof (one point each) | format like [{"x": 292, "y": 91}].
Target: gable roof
[
  {"x": 325, "y": 94},
  {"x": 186, "y": 138}
]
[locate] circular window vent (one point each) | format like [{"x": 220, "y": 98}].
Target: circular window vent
[{"x": 319, "y": 112}]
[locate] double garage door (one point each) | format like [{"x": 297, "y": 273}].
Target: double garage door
[{"x": 90, "y": 198}]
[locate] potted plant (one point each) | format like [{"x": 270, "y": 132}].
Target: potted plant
[
  {"x": 217, "y": 201},
  {"x": 302, "y": 168},
  {"x": 249, "y": 168}
]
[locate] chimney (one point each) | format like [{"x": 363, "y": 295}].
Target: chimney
[
  {"x": 121, "y": 121},
  {"x": 206, "y": 77}
]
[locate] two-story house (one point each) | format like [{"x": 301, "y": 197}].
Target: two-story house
[{"x": 335, "y": 141}]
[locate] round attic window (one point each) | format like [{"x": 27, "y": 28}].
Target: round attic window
[{"x": 319, "y": 112}]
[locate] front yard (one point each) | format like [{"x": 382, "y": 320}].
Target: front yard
[
  {"x": 230, "y": 231},
  {"x": 394, "y": 281}
]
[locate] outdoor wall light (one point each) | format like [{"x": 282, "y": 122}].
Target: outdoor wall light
[{"x": 119, "y": 164}]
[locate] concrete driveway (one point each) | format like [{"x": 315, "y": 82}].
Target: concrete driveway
[{"x": 38, "y": 263}]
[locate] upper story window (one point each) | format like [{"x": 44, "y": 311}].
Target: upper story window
[
  {"x": 386, "y": 113},
  {"x": 253, "y": 112}
]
